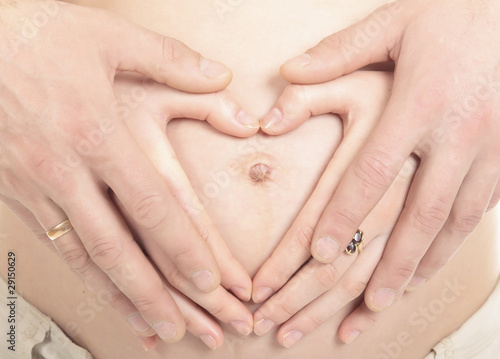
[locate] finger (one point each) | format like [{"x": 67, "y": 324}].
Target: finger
[
  {"x": 366, "y": 180},
  {"x": 74, "y": 254},
  {"x": 154, "y": 212},
  {"x": 220, "y": 109},
  {"x": 314, "y": 279},
  {"x": 428, "y": 206},
  {"x": 163, "y": 59},
  {"x": 198, "y": 322},
  {"x": 349, "y": 49},
  {"x": 359, "y": 321},
  {"x": 468, "y": 210},
  {"x": 221, "y": 304},
  {"x": 108, "y": 242},
  {"x": 310, "y": 282},
  {"x": 295, "y": 248},
  {"x": 152, "y": 139},
  {"x": 350, "y": 286},
  {"x": 299, "y": 102}
]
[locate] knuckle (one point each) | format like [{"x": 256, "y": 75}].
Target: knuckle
[
  {"x": 370, "y": 318},
  {"x": 77, "y": 258},
  {"x": 177, "y": 279},
  {"x": 335, "y": 41},
  {"x": 315, "y": 320},
  {"x": 403, "y": 271},
  {"x": 144, "y": 302},
  {"x": 430, "y": 217},
  {"x": 105, "y": 250},
  {"x": 345, "y": 218},
  {"x": 354, "y": 288},
  {"x": 466, "y": 222},
  {"x": 287, "y": 308},
  {"x": 302, "y": 238},
  {"x": 173, "y": 50},
  {"x": 327, "y": 276},
  {"x": 149, "y": 211},
  {"x": 183, "y": 254},
  {"x": 433, "y": 265},
  {"x": 375, "y": 172},
  {"x": 217, "y": 308},
  {"x": 296, "y": 93}
]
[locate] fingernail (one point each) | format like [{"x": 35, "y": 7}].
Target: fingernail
[
  {"x": 263, "y": 326},
  {"x": 165, "y": 330},
  {"x": 241, "y": 327},
  {"x": 209, "y": 341},
  {"x": 247, "y": 120},
  {"x": 241, "y": 293},
  {"x": 327, "y": 248},
  {"x": 291, "y": 338},
  {"x": 351, "y": 336},
  {"x": 262, "y": 294},
  {"x": 212, "y": 69},
  {"x": 144, "y": 344},
  {"x": 383, "y": 298},
  {"x": 137, "y": 323},
  {"x": 301, "y": 60},
  {"x": 415, "y": 282},
  {"x": 203, "y": 280},
  {"x": 275, "y": 116}
]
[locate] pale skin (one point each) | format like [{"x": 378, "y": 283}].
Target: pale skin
[
  {"x": 61, "y": 155},
  {"x": 233, "y": 115},
  {"x": 439, "y": 108}
]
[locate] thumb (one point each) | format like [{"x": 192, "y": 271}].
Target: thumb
[
  {"x": 165, "y": 60},
  {"x": 366, "y": 42}
]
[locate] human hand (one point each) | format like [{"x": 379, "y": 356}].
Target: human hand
[
  {"x": 64, "y": 146},
  {"x": 444, "y": 109},
  {"x": 359, "y": 98},
  {"x": 148, "y": 121}
]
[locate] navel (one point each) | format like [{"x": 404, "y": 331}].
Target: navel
[{"x": 260, "y": 173}]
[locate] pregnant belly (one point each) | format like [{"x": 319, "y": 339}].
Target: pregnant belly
[{"x": 253, "y": 188}]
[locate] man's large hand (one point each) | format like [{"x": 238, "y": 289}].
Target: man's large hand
[
  {"x": 64, "y": 146},
  {"x": 444, "y": 108}
]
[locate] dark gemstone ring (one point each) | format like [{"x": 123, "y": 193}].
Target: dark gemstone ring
[{"x": 356, "y": 244}]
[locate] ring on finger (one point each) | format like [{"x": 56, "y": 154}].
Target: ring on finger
[
  {"x": 59, "y": 230},
  {"x": 356, "y": 244}
]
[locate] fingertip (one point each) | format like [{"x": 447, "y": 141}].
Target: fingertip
[
  {"x": 415, "y": 283},
  {"x": 270, "y": 123},
  {"x": 169, "y": 332},
  {"x": 350, "y": 336},
  {"x": 295, "y": 65},
  {"x": 261, "y": 294},
  {"x": 148, "y": 343},
  {"x": 248, "y": 122},
  {"x": 214, "y": 70},
  {"x": 381, "y": 299},
  {"x": 205, "y": 280},
  {"x": 325, "y": 249},
  {"x": 244, "y": 294}
]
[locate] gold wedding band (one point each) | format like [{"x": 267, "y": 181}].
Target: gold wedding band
[{"x": 59, "y": 230}]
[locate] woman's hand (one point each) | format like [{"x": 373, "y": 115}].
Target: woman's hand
[
  {"x": 65, "y": 146},
  {"x": 148, "y": 121},
  {"x": 444, "y": 109},
  {"x": 318, "y": 291}
]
